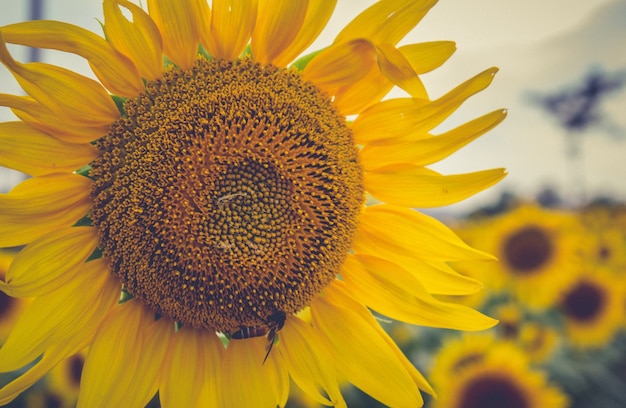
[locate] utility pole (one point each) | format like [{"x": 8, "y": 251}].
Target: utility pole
[{"x": 578, "y": 109}]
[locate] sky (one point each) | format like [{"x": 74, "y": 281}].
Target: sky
[{"x": 541, "y": 47}]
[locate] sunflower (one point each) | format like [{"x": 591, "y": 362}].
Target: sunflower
[
  {"x": 593, "y": 308},
  {"x": 10, "y": 307},
  {"x": 197, "y": 218},
  {"x": 538, "y": 251},
  {"x": 499, "y": 378}
]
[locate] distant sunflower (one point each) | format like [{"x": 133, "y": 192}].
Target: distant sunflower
[
  {"x": 500, "y": 378},
  {"x": 10, "y": 307},
  {"x": 221, "y": 190},
  {"x": 593, "y": 309},
  {"x": 538, "y": 251}
]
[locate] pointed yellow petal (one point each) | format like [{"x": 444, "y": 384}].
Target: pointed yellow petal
[
  {"x": 53, "y": 356},
  {"x": 203, "y": 13},
  {"x": 387, "y": 21},
  {"x": 416, "y": 186},
  {"x": 390, "y": 290},
  {"x": 232, "y": 23},
  {"x": 317, "y": 15},
  {"x": 355, "y": 98},
  {"x": 179, "y": 29},
  {"x": 41, "y": 118},
  {"x": 243, "y": 364},
  {"x": 398, "y": 69},
  {"x": 409, "y": 232},
  {"x": 139, "y": 39},
  {"x": 49, "y": 262},
  {"x": 116, "y": 72},
  {"x": 340, "y": 65},
  {"x": 436, "y": 277},
  {"x": 35, "y": 153},
  {"x": 359, "y": 350},
  {"x": 406, "y": 119},
  {"x": 122, "y": 367},
  {"x": 62, "y": 91},
  {"x": 308, "y": 362},
  {"x": 210, "y": 396},
  {"x": 424, "y": 57},
  {"x": 71, "y": 312},
  {"x": 277, "y": 25},
  {"x": 42, "y": 204},
  {"x": 429, "y": 150},
  {"x": 184, "y": 370}
]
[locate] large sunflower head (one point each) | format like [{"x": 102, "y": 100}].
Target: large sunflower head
[{"x": 197, "y": 215}]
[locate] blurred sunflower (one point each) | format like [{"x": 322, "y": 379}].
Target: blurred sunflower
[
  {"x": 500, "y": 378},
  {"x": 10, "y": 307},
  {"x": 64, "y": 379},
  {"x": 538, "y": 251},
  {"x": 537, "y": 339},
  {"x": 222, "y": 192},
  {"x": 593, "y": 308}
]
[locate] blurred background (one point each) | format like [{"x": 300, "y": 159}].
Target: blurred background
[{"x": 557, "y": 222}]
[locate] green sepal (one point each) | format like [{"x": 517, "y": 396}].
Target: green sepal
[
  {"x": 168, "y": 63},
  {"x": 303, "y": 61},
  {"x": 124, "y": 297},
  {"x": 177, "y": 326},
  {"x": 119, "y": 103},
  {"x": 204, "y": 53},
  {"x": 96, "y": 254},
  {"x": 247, "y": 52},
  {"x": 84, "y": 171},
  {"x": 86, "y": 221}
]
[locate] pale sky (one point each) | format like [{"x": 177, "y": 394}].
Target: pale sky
[{"x": 539, "y": 46}]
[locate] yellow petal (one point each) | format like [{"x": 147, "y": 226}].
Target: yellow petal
[
  {"x": 35, "y": 153},
  {"x": 122, "y": 367},
  {"x": 387, "y": 21},
  {"x": 265, "y": 383},
  {"x": 42, "y": 204},
  {"x": 429, "y": 150},
  {"x": 416, "y": 186},
  {"x": 116, "y": 72},
  {"x": 53, "y": 356},
  {"x": 71, "y": 312},
  {"x": 354, "y": 98},
  {"x": 62, "y": 91},
  {"x": 179, "y": 29},
  {"x": 139, "y": 39},
  {"x": 359, "y": 350},
  {"x": 203, "y": 11},
  {"x": 406, "y": 119},
  {"x": 41, "y": 118},
  {"x": 232, "y": 23},
  {"x": 308, "y": 362},
  {"x": 185, "y": 368},
  {"x": 437, "y": 277},
  {"x": 390, "y": 290},
  {"x": 398, "y": 69},
  {"x": 424, "y": 57},
  {"x": 317, "y": 15},
  {"x": 340, "y": 65},
  {"x": 277, "y": 25},
  {"x": 409, "y": 232},
  {"x": 210, "y": 396},
  {"x": 49, "y": 262}
]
